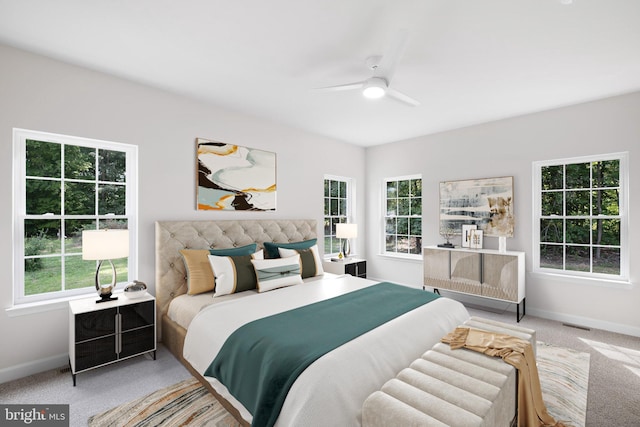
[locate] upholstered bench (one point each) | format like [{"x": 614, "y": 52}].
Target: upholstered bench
[{"x": 450, "y": 387}]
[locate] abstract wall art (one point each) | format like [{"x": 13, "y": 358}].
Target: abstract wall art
[
  {"x": 486, "y": 203},
  {"x": 232, "y": 177}
]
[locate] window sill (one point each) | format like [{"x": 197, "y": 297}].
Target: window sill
[
  {"x": 30, "y": 308},
  {"x": 402, "y": 257},
  {"x": 581, "y": 280}
]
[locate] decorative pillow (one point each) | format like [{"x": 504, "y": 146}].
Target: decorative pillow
[
  {"x": 199, "y": 275},
  {"x": 258, "y": 255},
  {"x": 242, "y": 250},
  {"x": 271, "y": 248},
  {"x": 232, "y": 274},
  {"x": 277, "y": 273},
  {"x": 309, "y": 258},
  {"x": 200, "y": 278}
]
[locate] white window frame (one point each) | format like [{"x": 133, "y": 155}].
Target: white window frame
[
  {"x": 351, "y": 206},
  {"x": 20, "y": 136},
  {"x": 383, "y": 249},
  {"x": 623, "y": 277}
]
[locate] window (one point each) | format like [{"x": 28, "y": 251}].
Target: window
[
  {"x": 338, "y": 207},
  {"x": 64, "y": 185},
  {"x": 403, "y": 215},
  {"x": 580, "y": 216}
]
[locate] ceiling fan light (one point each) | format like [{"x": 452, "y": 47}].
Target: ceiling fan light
[{"x": 374, "y": 88}]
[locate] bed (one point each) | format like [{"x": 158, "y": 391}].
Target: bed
[{"x": 332, "y": 389}]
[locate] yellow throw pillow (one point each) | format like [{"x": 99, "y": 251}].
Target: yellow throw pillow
[{"x": 199, "y": 273}]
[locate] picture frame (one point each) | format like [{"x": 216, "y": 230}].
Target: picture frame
[
  {"x": 233, "y": 177},
  {"x": 467, "y": 229},
  {"x": 486, "y": 202},
  {"x": 476, "y": 239}
]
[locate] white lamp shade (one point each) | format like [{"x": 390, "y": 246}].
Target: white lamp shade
[
  {"x": 346, "y": 231},
  {"x": 105, "y": 244}
]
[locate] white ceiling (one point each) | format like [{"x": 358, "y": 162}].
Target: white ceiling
[{"x": 467, "y": 61}]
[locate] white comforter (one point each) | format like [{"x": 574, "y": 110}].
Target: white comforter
[{"x": 332, "y": 390}]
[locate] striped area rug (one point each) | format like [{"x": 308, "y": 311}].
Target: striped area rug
[
  {"x": 186, "y": 403},
  {"x": 564, "y": 378}
]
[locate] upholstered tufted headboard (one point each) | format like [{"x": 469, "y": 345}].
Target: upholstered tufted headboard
[{"x": 172, "y": 236}]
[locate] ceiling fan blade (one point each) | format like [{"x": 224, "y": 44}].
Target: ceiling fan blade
[
  {"x": 348, "y": 86},
  {"x": 387, "y": 67},
  {"x": 399, "y": 96}
]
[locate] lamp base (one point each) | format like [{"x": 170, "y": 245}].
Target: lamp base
[
  {"x": 106, "y": 298},
  {"x": 346, "y": 248}
]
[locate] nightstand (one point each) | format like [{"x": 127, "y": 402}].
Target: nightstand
[
  {"x": 104, "y": 333},
  {"x": 353, "y": 266}
]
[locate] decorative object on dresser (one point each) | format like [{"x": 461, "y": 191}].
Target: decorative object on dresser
[
  {"x": 105, "y": 245},
  {"x": 232, "y": 177},
  {"x": 134, "y": 290},
  {"x": 345, "y": 231},
  {"x": 447, "y": 232},
  {"x": 353, "y": 266},
  {"x": 476, "y": 239},
  {"x": 502, "y": 244},
  {"x": 109, "y": 332},
  {"x": 466, "y": 235},
  {"x": 485, "y": 273},
  {"x": 486, "y": 203}
]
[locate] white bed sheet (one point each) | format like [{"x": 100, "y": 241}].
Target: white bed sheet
[
  {"x": 332, "y": 390},
  {"x": 184, "y": 308}
]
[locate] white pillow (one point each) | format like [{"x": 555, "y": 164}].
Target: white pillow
[
  {"x": 277, "y": 272},
  {"x": 233, "y": 273},
  {"x": 310, "y": 261}
]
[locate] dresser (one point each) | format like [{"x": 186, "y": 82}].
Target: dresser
[{"x": 485, "y": 273}]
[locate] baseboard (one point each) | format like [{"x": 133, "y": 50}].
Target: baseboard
[
  {"x": 586, "y": 322},
  {"x": 25, "y": 369},
  {"x": 501, "y": 306}
]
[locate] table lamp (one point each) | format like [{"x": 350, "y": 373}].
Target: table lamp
[
  {"x": 345, "y": 232},
  {"x": 105, "y": 245}
]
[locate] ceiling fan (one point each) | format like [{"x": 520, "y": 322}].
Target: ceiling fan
[{"x": 383, "y": 67}]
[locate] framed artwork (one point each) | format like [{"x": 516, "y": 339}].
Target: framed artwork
[
  {"x": 475, "y": 240},
  {"x": 232, "y": 177},
  {"x": 486, "y": 203},
  {"x": 467, "y": 229}
]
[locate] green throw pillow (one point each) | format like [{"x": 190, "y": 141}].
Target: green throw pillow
[
  {"x": 242, "y": 250},
  {"x": 271, "y": 248}
]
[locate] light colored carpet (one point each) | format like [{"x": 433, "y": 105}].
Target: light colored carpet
[{"x": 564, "y": 378}]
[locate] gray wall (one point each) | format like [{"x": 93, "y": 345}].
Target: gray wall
[
  {"x": 508, "y": 148},
  {"x": 41, "y": 94}
]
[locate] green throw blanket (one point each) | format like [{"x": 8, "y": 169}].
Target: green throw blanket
[{"x": 261, "y": 360}]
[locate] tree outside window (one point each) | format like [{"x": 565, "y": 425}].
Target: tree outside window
[
  {"x": 337, "y": 209},
  {"x": 66, "y": 185},
  {"x": 581, "y": 216},
  {"x": 403, "y": 215}
]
